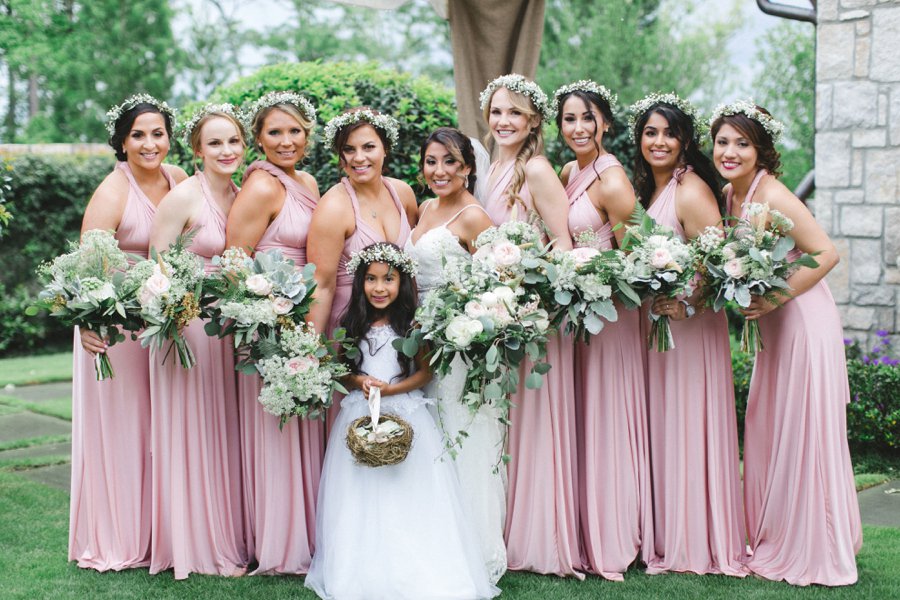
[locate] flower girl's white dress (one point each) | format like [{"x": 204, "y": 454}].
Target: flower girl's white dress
[{"x": 397, "y": 531}]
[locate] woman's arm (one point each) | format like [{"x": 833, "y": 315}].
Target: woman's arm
[
  {"x": 175, "y": 214},
  {"x": 332, "y": 223},
  {"x": 255, "y": 206},
  {"x": 615, "y": 197},
  {"x": 550, "y": 200}
]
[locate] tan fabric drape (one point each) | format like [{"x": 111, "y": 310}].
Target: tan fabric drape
[{"x": 491, "y": 38}]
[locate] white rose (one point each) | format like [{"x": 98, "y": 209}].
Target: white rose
[
  {"x": 282, "y": 306},
  {"x": 582, "y": 256},
  {"x": 506, "y": 254},
  {"x": 483, "y": 254},
  {"x": 475, "y": 309},
  {"x": 156, "y": 285},
  {"x": 505, "y": 294},
  {"x": 501, "y": 315},
  {"x": 489, "y": 299},
  {"x": 461, "y": 330},
  {"x": 660, "y": 258},
  {"x": 259, "y": 285},
  {"x": 734, "y": 268}
]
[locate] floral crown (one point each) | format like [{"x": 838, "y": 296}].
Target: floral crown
[
  {"x": 385, "y": 123},
  {"x": 114, "y": 113},
  {"x": 749, "y": 109},
  {"x": 643, "y": 105},
  {"x": 584, "y": 85},
  {"x": 517, "y": 83},
  {"x": 384, "y": 253},
  {"x": 272, "y": 98},
  {"x": 207, "y": 109}
]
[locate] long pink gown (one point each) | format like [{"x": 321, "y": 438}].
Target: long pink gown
[
  {"x": 697, "y": 507},
  {"x": 196, "y": 469},
  {"x": 802, "y": 510},
  {"x": 109, "y": 513},
  {"x": 361, "y": 237},
  {"x": 542, "y": 511},
  {"x": 613, "y": 462},
  {"x": 281, "y": 468}
]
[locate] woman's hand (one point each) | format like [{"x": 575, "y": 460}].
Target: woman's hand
[
  {"x": 759, "y": 306},
  {"x": 673, "y": 308},
  {"x": 369, "y": 382},
  {"x": 92, "y": 342}
]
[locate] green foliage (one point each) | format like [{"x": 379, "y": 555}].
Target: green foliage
[{"x": 419, "y": 104}]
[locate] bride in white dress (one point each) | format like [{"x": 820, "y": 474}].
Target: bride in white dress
[{"x": 447, "y": 227}]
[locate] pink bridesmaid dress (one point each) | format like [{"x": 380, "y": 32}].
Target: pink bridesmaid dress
[
  {"x": 802, "y": 510},
  {"x": 281, "y": 468},
  {"x": 196, "y": 470},
  {"x": 613, "y": 463},
  {"x": 698, "y": 523},
  {"x": 109, "y": 513},
  {"x": 542, "y": 512},
  {"x": 361, "y": 237}
]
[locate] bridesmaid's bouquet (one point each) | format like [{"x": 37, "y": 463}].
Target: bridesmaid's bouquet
[
  {"x": 300, "y": 374},
  {"x": 255, "y": 299},
  {"x": 659, "y": 264},
  {"x": 489, "y": 313},
  {"x": 87, "y": 287},
  {"x": 751, "y": 257},
  {"x": 585, "y": 283},
  {"x": 169, "y": 291}
]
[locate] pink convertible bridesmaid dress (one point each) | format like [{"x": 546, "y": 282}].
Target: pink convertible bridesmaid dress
[
  {"x": 109, "y": 516},
  {"x": 281, "y": 467},
  {"x": 613, "y": 464},
  {"x": 198, "y": 524},
  {"x": 802, "y": 511},
  {"x": 542, "y": 512},
  {"x": 698, "y": 523}
]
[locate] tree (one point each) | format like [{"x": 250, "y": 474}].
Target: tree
[{"x": 786, "y": 86}]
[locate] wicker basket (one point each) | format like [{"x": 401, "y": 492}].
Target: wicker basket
[{"x": 379, "y": 454}]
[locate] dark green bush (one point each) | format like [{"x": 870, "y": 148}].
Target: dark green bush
[{"x": 419, "y": 104}]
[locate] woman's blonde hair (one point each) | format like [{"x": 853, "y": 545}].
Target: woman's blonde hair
[{"x": 260, "y": 117}]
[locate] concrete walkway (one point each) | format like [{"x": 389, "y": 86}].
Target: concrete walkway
[{"x": 879, "y": 505}]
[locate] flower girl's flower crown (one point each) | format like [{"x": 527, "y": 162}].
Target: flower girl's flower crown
[
  {"x": 272, "y": 98},
  {"x": 641, "y": 106},
  {"x": 517, "y": 83},
  {"x": 385, "y": 123},
  {"x": 113, "y": 114},
  {"x": 207, "y": 109},
  {"x": 584, "y": 85},
  {"x": 384, "y": 253},
  {"x": 749, "y": 109}
]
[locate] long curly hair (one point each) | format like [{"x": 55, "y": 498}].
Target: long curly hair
[
  {"x": 767, "y": 157},
  {"x": 360, "y": 315},
  {"x": 683, "y": 128}
]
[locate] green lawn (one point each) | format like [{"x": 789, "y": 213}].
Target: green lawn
[
  {"x": 44, "y": 368},
  {"x": 33, "y": 538}
]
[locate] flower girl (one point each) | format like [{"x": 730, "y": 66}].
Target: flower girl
[{"x": 396, "y": 531}]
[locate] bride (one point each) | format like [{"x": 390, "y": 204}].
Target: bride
[{"x": 447, "y": 227}]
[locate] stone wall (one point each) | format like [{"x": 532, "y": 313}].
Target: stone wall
[{"x": 858, "y": 158}]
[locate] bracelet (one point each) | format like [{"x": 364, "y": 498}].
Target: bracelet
[{"x": 689, "y": 309}]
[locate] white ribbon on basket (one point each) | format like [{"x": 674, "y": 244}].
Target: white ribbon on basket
[{"x": 374, "y": 405}]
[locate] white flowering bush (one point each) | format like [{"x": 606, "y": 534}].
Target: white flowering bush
[
  {"x": 751, "y": 257},
  {"x": 87, "y": 287}
]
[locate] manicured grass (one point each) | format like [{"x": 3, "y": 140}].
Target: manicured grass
[
  {"x": 44, "y": 368},
  {"x": 867, "y": 480},
  {"x": 33, "y": 538},
  {"x": 35, "y": 441},
  {"x": 32, "y": 462},
  {"x": 61, "y": 408}
]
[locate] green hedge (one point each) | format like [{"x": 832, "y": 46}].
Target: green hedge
[{"x": 419, "y": 104}]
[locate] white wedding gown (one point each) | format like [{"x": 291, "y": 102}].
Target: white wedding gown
[
  {"x": 482, "y": 475},
  {"x": 400, "y": 531}
]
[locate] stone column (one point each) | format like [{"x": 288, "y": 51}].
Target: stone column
[{"x": 858, "y": 158}]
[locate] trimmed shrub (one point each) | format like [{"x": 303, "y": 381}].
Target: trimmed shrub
[{"x": 419, "y": 104}]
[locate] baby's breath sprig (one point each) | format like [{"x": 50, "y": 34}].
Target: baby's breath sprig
[
  {"x": 519, "y": 84},
  {"x": 749, "y": 109},
  {"x": 384, "y": 253},
  {"x": 385, "y": 123},
  {"x": 283, "y": 97},
  {"x": 114, "y": 113},
  {"x": 187, "y": 129},
  {"x": 584, "y": 85},
  {"x": 641, "y": 106}
]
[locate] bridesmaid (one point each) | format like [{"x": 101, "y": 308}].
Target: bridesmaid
[
  {"x": 542, "y": 515},
  {"x": 447, "y": 228},
  {"x": 196, "y": 476},
  {"x": 802, "y": 511},
  {"x": 698, "y": 521},
  {"x": 613, "y": 464},
  {"x": 281, "y": 468},
  {"x": 109, "y": 518}
]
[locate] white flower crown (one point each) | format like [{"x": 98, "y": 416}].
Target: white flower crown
[
  {"x": 385, "y": 123},
  {"x": 272, "y": 98},
  {"x": 641, "y": 106},
  {"x": 188, "y": 128},
  {"x": 519, "y": 84},
  {"x": 748, "y": 109},
  {"x": 584, "y": 85},
  {"x": 114, "y": 113},
  {"x": 384, "y": 253}
]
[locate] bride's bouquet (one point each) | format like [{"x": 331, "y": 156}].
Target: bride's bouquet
[
  {"x": 659, "y": 264},
  {"x": 300, "y": 374},
  {"x": 751, "y": 257},
  {"x": 169, "y": 292},
  {"x": 489, "y": 313},
  {"x": 254, "y": 299},
  {"x": 87, "y": 287}
]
